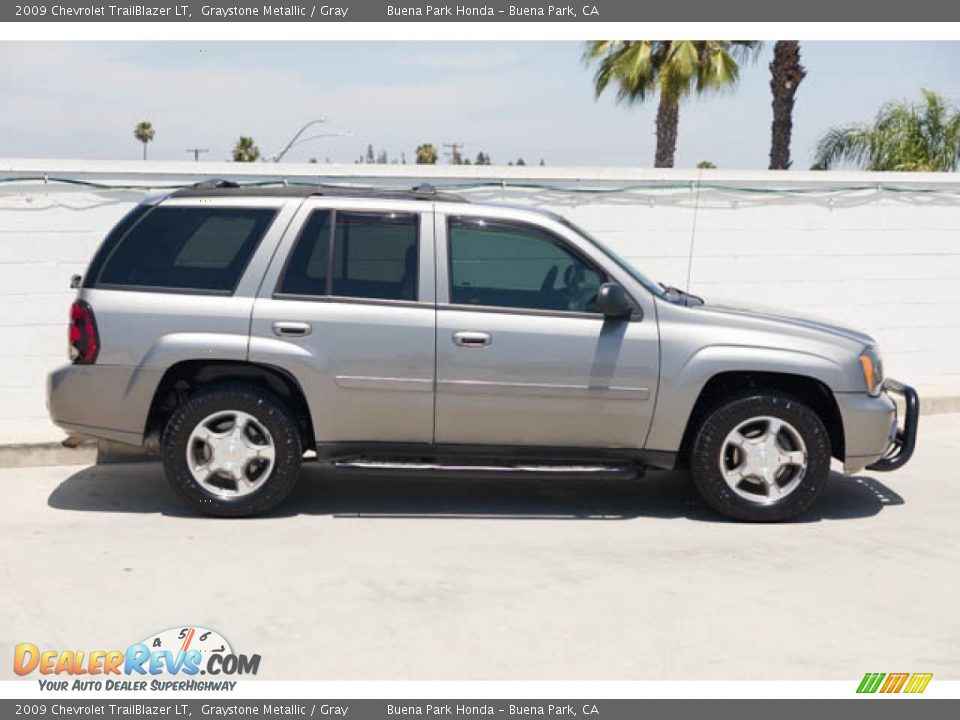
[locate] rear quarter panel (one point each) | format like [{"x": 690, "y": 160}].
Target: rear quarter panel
[{"x": 145, "y": 331}]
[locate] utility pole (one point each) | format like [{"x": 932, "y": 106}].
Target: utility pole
[
  {"x": 196, "y": 152},
  {"x": 454, "y": 152}
]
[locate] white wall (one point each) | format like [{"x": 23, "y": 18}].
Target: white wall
[{"x": 877, "y": 251}]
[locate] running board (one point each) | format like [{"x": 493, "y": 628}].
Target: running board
[{"x": 428, "y": 469}]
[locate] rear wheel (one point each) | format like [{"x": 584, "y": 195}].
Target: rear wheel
[
  {"x": 232, "y": 451},
  {"x": 763, "y": 457}
]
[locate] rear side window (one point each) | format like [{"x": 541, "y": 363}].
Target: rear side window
[
  {"x": 187, "y": 248},
  {"x": 355, "y": 254}
]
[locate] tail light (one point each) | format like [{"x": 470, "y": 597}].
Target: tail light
[{"x": 84, "y": 339}]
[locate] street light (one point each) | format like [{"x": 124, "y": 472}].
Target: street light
[
  {"x": 293, "y": 141},
  {"x": 274, "y": 158}
]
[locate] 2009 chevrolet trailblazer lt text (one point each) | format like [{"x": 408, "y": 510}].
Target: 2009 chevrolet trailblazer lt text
[{"x": 233, "y": 329}]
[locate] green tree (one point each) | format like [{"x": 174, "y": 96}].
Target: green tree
[
  {"x": 706, "y": 165},
  {"x": 911, "y": 137},
  {"x": 673, "y": 69},
  {"x": 245, "y": 150},
  {"x": 520, "y": 162},
  {"x": 482, "y": 159},
  {"x": 786, "y": 74},
  {"x": 426, "y": 154},
  {"x": 144, "y": 132}
]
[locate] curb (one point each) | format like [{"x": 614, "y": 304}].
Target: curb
[
  {"x": 939, "y": 405},
  {"x": 54, "y": 453},
  {"x": 49, "y": 453},
  {"x": 104, "y": 453}
]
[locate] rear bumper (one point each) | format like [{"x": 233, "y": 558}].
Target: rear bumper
[
  {"x": 873, "y": 436},
  {"x": 108, "y": 402},
  {"x": 904, "y": 440}
]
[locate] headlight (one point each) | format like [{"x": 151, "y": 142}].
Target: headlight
[{"x": 872, "y": 370}]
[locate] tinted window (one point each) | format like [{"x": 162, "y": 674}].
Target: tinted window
[
  {"x": 374, "y": 256},
  {"x": 517, "y": 266},
  {"x": 306, "y": 272},
  {"x": 190, "y": 248},
  {"x": 112, "y": 240}
]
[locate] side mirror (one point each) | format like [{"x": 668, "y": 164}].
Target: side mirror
[{"x": 613, "y": 301}]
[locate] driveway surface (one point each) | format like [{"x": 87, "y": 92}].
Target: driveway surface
[{"x": 384, "y": 579}]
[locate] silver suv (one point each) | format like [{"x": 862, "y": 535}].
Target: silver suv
[{"x": 235, "y": 329}]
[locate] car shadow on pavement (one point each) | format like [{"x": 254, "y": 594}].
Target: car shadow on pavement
[{"x": 141, "y": 488}]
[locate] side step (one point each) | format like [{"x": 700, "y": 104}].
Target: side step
[{"x": 429, "y": 469}]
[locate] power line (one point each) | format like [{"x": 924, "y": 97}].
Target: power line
[{"x": 454, "y": 153}]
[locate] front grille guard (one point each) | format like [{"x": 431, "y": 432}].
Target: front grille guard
[{"x": 901, "y": 448}]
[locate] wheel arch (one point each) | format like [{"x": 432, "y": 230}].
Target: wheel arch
[
  {"x": 808, "y": 390},
  {"x": 184, "y": 378}
]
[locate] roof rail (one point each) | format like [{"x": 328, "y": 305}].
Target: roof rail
[
  {"x": 215, "y": 183},
  {"x": 215, "y": 187}
]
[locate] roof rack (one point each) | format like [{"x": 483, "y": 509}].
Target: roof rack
[
  {"x": 220, "y": 187},
  {"x": 215, "y": 183}
]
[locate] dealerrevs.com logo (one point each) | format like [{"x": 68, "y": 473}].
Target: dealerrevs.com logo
[{"x": 169, "y": 660}]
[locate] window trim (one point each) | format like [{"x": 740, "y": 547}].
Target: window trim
[
  {"x": 97, "y": 284},
  {"x": 556, "y": 239},
  {"x": 328, "y": 296},
  {"x": 295, "y": 297}
]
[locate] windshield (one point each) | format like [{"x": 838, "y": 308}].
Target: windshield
[{"x": 621, "y": 262}]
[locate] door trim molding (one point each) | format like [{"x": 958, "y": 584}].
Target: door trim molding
[
  {"x": 487, "y": 387},
  {"x": 368, "y": 382}
]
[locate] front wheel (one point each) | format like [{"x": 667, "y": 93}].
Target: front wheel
[
  {"x": 763, "y": 457},
  {"x": 232, "y": 451}
]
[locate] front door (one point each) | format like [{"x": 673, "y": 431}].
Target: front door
[
  {"x": 351, "y": 313},
  {"x": 523, "y": 357}
]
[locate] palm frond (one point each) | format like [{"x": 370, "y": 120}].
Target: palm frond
[{"x": 914, "y": 137}]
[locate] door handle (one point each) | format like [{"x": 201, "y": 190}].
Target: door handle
[
  {"x": 471, "y": 339},
  {"x": 291, "y": 329}
]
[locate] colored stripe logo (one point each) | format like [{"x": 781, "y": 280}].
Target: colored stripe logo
[{"x": 888, "y": 683}]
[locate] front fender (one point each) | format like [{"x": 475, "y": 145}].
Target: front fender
[{"x": 683, "y": 379}]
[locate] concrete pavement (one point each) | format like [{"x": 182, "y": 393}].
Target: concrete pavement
[{"x": 385, "y": 579}]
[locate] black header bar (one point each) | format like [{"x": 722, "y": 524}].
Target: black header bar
[
  {"x": 53, "y": 708},
  {"x": 488, "y": 11}
]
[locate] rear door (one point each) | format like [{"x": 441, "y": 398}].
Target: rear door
[{"x": 348, "y": 307}]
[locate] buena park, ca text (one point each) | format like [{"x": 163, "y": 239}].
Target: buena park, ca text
[{"x": 450, "y": 11}]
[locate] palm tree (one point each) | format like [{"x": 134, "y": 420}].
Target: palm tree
[
  {"x": 786, "y": 74},
  {"x": 912, "y": 137},
  {"x": 672, "y": 68},
  {"x": 245, "y": 150},
  {"x": 144, "y": 132},
  {"x": 426, "y": 154}
]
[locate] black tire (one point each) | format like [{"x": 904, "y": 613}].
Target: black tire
[
  {"x": 705, "y": 456},
  {"x": 269, "y": 411}
]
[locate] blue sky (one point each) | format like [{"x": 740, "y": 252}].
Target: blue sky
[{"x": 518, "y": 99}]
